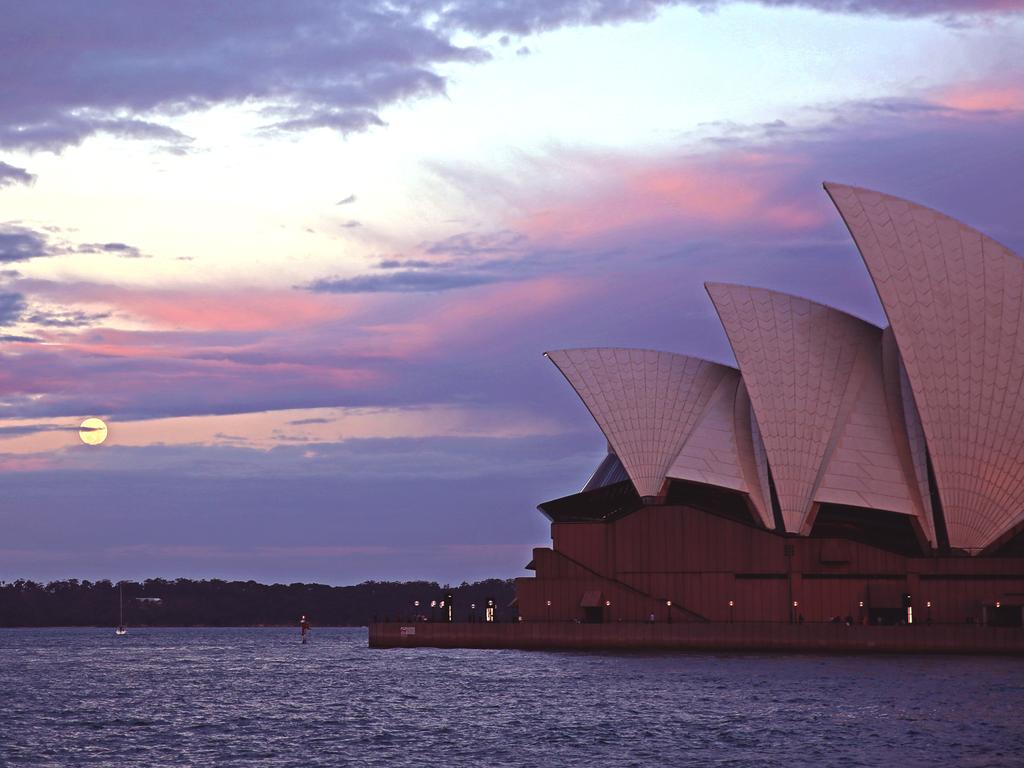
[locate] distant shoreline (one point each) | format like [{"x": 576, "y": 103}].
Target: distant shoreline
[
  {"x": 183, "y": 626},
  {"x": 216, "y": 603}
]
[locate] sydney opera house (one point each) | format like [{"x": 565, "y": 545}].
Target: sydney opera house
[{"x": 844, "y": 472}]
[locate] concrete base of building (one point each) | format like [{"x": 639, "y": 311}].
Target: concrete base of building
[{"x": 745, "y": 637}]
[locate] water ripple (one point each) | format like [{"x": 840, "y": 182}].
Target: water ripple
[{"x": 256, "y": 697}]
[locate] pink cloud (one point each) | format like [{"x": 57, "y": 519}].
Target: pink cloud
[
  {"x": 474, "y": 315},
  {"x": 247, "y": 309},
  {"x": 983, "y": 97},
  {"x": 727, "y": 189}
]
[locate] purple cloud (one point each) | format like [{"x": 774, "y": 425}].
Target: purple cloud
[
  {"x": 316, "y": 64},
  {"x": 12, "y": 307},
  {"x": 402, "y": 281},
  {"x": 18, "y": 243},
  {"x": 312, "y": 64},
  {"x": 123, "y": 250},
  {"x": 10, "y": 175}
]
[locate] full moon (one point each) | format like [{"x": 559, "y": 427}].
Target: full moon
[{"x": 93, "y": 431}]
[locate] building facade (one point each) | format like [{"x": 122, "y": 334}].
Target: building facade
[{"x": 844, "y": 472}]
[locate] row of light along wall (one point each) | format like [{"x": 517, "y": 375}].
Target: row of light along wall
[
  {"x": 796, "y": 604},
  {"x": 447, "y": 607}
]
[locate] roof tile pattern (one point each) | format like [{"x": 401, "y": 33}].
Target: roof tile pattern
[
  {"x": 871, "y": 465},
  {"x": 646, "y": 403},
  {"x": 760, "y": 460},
  {"x": 954, "y": 300},
  {"x": 906, "y": 428},
  {"x": 796, "y": 358},
  {"x": 719, "y": 451}
]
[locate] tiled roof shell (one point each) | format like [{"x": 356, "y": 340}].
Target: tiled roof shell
[{"x": 954, "y": 300}]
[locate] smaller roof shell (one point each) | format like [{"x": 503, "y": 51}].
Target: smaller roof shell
[{"x": 646, "y": 403}]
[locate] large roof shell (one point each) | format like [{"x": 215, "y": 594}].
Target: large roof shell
[
  {"x": 954, "y": 300},
  {"x": 815, "y": 380},
  {"x": 720, "y": 449},
  {"x": 647, "y": 403}
]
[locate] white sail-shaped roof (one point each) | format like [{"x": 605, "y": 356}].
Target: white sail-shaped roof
[
  {"x": 814, "y": 377},
  {"x": 719, "y": 450},
  {"x": 646, "y": 403},
  {"x": 954, "y": 300}
]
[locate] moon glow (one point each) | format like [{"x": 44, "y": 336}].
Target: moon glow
[{"x": 93, "y": 431}]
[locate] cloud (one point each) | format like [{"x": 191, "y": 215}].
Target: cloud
[
  {"x": 304, "y": 66},
  {"x": 318, "y": 64},
  {"x": 300, "y": 422},
  {"x": 65, "y": 318},
  {"x": 12, "y": 307},
  {"x": 32, "y": 429},
  {"x": 473, "y": 244},
  {"x": 897, "y": 8},
  {"x": 10, "y": 175},
  {"x": 53, "y": 133},
  {"x": 484, "y": 17},
  {"x": 21, "y": 243},
  {"x": 402, "y": 281},
  {"x": 18, "y": 243},
  {"x": 346, "y": 200},
  {"x": 117, "y": 249},
  {"x": 407, "y": 264},
  {"x": 611, "y": 250}
]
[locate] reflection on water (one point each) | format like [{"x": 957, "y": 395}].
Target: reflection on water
[{"x": 257, "y": 697}]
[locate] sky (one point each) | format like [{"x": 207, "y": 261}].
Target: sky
[{"x": 304, "y": 258}]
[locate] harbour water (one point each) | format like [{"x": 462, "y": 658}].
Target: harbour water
[{"x": 257, "y": 697}]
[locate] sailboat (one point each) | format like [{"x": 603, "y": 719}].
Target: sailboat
[{"x": 121, "y": 628}]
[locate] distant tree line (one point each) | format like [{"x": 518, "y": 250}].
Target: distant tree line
[{"x": 216, "y": 603}]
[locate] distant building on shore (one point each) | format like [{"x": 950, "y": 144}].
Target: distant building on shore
[{"x": 843, "y": 472}]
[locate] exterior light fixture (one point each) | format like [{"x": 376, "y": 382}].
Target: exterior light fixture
[
  {"x": 860, "y": 604},
  {"x": 608, "y": 604},
  {"x": 731, "y": 603},
  {"x": 796, "y": 603},
  {"x": 998, "y": 604}
]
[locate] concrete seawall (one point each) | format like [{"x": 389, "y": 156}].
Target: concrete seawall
[{"x": 828, "y": 638}]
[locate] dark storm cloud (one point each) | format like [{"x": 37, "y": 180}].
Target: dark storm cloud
[
  {"x": 10, "y": 175},
  {"x": 404, "y": 281}
]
